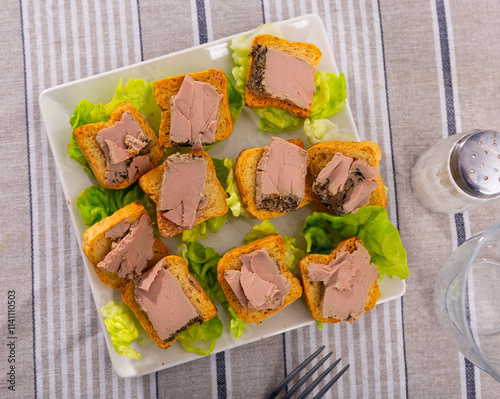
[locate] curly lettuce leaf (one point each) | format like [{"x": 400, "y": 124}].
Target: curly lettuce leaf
[
  {"x": 234, "y": 201},
  {"x": 323, "y": 232},
  {"x": 119, "y": 321},
  {"x": 330, "y": 95},
  {"x": 136, "y": 91},
  {"x": 235, "y": 100},
  {"x": 96, "y": 203},
  {"x": 325, "y": 130},
  {"x": 208, "y": 331}
]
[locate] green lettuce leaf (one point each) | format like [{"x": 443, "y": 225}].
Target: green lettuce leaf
[
  {"x": 325, "y": 130},
  {"x": 319, "y": 324},
  {"x": 96, "y": 203},
  {"x": 235, "y": 100},
  {"x": 136, "y": 91},
  {"x": 293, "y": 254},
  {"x": 208, "y": 331},
  {"x": 119, "y": 321},
  {"x": 221, "y": 171},
  {"x": 234, "y": 201},
  {"x": 215, "y": 224},
  {"x": 202, "y": 264},
  {"x": 236, "y": 326},
  {"x": 276, "y": 120},
  {"x": 195, "y": 233},
  {"x": 259, "y": 231},
  {"x": 330, "y": 95},
  {"x": 323, "y": 232}
]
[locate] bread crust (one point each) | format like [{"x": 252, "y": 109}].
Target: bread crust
[
  {"x": 245, "y": 172},
  {"x": 275, "y": 245},
  {"x": 216, "y": 205},
  {"x": 96, "y": 246},
  {"x": 306, "y": 51},
  {"x": 85, "y": 136},
  {"x": 322, "y": 153},
  {"x": 200, "y": 300},
  {"x": 168, "y": 87},
  {"x": 313, "y": 290}
]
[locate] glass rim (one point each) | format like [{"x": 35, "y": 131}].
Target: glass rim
[{"x": 463, "y": 284}]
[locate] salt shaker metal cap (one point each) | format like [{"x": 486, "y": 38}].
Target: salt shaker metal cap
[
  {"x": 475, "y": 164},
  {"x": 459, "y": 172}
]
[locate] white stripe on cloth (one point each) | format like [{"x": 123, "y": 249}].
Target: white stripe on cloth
[
  {"x": 111, "y": 34},
  {"x": 445, "y": 133},
  {"x": 86, "y": 30},
  {"x": 136, "y": 31},
  {"x": 388, "y": 349},
  {"x": 376, "y": 353},
  {"x": 392, "y": 207},
  {"x": 267, "y": 11},
  {"x": 194, "y": 22}
]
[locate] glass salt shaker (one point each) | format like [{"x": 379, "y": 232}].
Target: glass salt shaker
[{"x": 459, "y": 172}]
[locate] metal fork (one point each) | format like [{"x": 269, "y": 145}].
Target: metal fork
[{"x": 303, "y": 380}]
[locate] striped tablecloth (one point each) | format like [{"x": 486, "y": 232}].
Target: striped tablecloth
[{"x": 417, "y": 71}]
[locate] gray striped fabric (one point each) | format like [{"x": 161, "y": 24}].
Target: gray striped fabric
[{"x": 416, "y": 72}]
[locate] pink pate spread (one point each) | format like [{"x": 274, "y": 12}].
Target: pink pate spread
[
  {"x": 123, "y": 144},
  {"x": 347, "y": 280},
  {"x": 194, "y": 112},
  {"x": 162, "y": 298},
  {"x": 260, "y": 283},
  {"x": 131, "y": 248}
]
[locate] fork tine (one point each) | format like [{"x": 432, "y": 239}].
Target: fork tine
[
  {"x": 307, "y": 375},
  {"x": 327, "y": 387},
  {"x": 292, "y": 375},
  {"x": 313, "y": 385}
]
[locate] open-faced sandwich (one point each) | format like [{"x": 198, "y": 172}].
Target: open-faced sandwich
[
  {"x": 281, "y": 74},
  {"x": 272, "y": 179},
  {"x": 194, "y": 108},
  {"x": 123, "y": 246},
  {"x": 186, "y": 192},
  {"x": 342, "y": 285},
  {"x": 344, "y": 176},
  {"x": 167, "y": 300},
  {"x": 255, "y": 280},
  {"x": 120, "y": 150}
]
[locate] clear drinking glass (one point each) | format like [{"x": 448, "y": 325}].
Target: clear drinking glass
[{"x": 467, "y": 300}]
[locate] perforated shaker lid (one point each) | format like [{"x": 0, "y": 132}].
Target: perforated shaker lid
[{"x": 475, "y": 164}]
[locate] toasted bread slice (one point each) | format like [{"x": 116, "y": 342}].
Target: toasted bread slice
[
  {"x": 200, "y": 300},
  {"x": 168, "y": 87},
  {"x": 313, "y": 290},
  {"x": 275, "y": 245},
  {"x": 215, "y": 207},
  {"x": 96, "y": 246},
  {"x": 245, "y": 172},
  {"x": 322, "y": 153},
  {"x": 86, "y": 138},
  {"x": 306, "y": 51}
]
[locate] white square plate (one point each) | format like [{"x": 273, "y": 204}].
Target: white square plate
[{"x": 57, "y": 105}]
